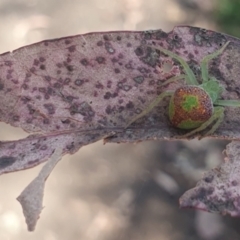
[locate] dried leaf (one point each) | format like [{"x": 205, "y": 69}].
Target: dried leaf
[
  {"x": 100, "y": 81},
  {"x": 218, "y": 190},
  {"x": 32, "y": 196},
  {"x": 37, "y": 148}
]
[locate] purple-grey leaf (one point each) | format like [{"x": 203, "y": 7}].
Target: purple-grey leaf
[{"x": 218, "y": 190}]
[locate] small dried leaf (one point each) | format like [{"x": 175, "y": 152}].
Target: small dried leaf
[
  {"x": 32, "y": 196},
  {"x": 218, "y": 190}
]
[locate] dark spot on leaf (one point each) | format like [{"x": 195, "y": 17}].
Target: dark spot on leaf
[
  {"x": 42, "y": 67},
  {"x": 32, "y": 69},
  {"x": 143, "y": 70},
  {"x": 84, "y": 62},
  {"x": 83, "y": 108},
  {"x": 35, "y": 62},
  {"x": 66, "y": 121},
  {"x": 70, "y": 147},
  {"x": 47, "y": 78},
  {"x": 50, "y": 108},
  {"x": 106, "y": 37},
  {"x": 67, "y": 81},
  {"x": 15, "y": 81},
  {"x": 190, "y": 56},
  {"x": 209, "y": 179},
  {"x": 119, "y": 38},
  {"x": 99, "y": 86},
  {"x": 6, "y": 161},
  {"x": 120, "y": 56},
  {"x": 70, "y": 68},
  {"x": 100, "y": 60},
  {"x": 139, "y": 79},
  {"x": 130, "y": 105},
  {"x": 12, "y": 146},
  {"x": 202, "y": 192},
  {"x": 148, "y": 35},
  {"x": 42, "y": 89},
  {"x": 43, "y": 148},
  {"x": 234, "y": 183},
  {"x": 1, "y": 86},
  {"x": 8, "y": 63},
  {"x": 25, "y": 86},
  {"x": 114, "y": 60},
  {"x": 138, "y": 110},
  {"x": 175, "y": 37},
  {"x": 29, "y": 120},
  {"x": 120, "y": 101},
  {"x": 151, "y": 58},
  {"x": 120, "y": 85},
  {"x": 109, "y": 84},
  {"x": 160, "y": 34},
  {"x": 139, "y": 51},
  {"x": 56, "y": 85},
  {"x": 59, "y": 65},
  {"x": 30, "y": 109},
  {"x": 108, "y": 109},
  {"x": 72, "y": 48},
  {"x": 46, "y": 96},
  {"x": 120, "y": 109},
  {"x": 50, "y": 91},
  {"x": 79, "y": 82},
  {"x": 46, "y": 121},
  {"x": 42, "y": 59},
  {"x": 116, "y": 70},
  {"x": 129, "y": 65},
  {"x": 229, "y": 66},
  {"x": 109, "y": 48},
  {"x": 114, "y": 95},
  {"x": 15, "y": 118},
  {"x": 129, "y": 44},
  {"x": 33, "y": 162},
  {"x": 25, "y": 99},
  {"x": 69, "y": 98},
  {"x": 99, "y": 43},
  {"x": 126, "y": 88},
  {"x": 67, "y": 41},
  {"x": 107, "y": 95}
]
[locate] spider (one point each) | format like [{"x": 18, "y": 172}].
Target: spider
[{"x": 194, "y": 106}]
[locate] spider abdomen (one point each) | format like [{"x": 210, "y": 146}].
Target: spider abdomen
[{"x": 190, "y": 106}]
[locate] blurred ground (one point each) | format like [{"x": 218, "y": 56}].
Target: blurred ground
[{"x": 111, "y": 192}]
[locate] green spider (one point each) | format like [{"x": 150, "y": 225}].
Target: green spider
[{"x": 196, "y": 105}]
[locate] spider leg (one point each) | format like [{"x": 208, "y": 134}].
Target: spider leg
[
  {"x": 150, "y": 107},
  {"x": 173, "y": 79},
  {"x": 217, "y": 116},
  {"x": 190, "y": 77},
  {"x": 206, "y": 59},
  {"x": 228, "y": 103}
]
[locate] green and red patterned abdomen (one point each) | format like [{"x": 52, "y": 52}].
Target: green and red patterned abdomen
[{"x": 190, "y": 107}]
